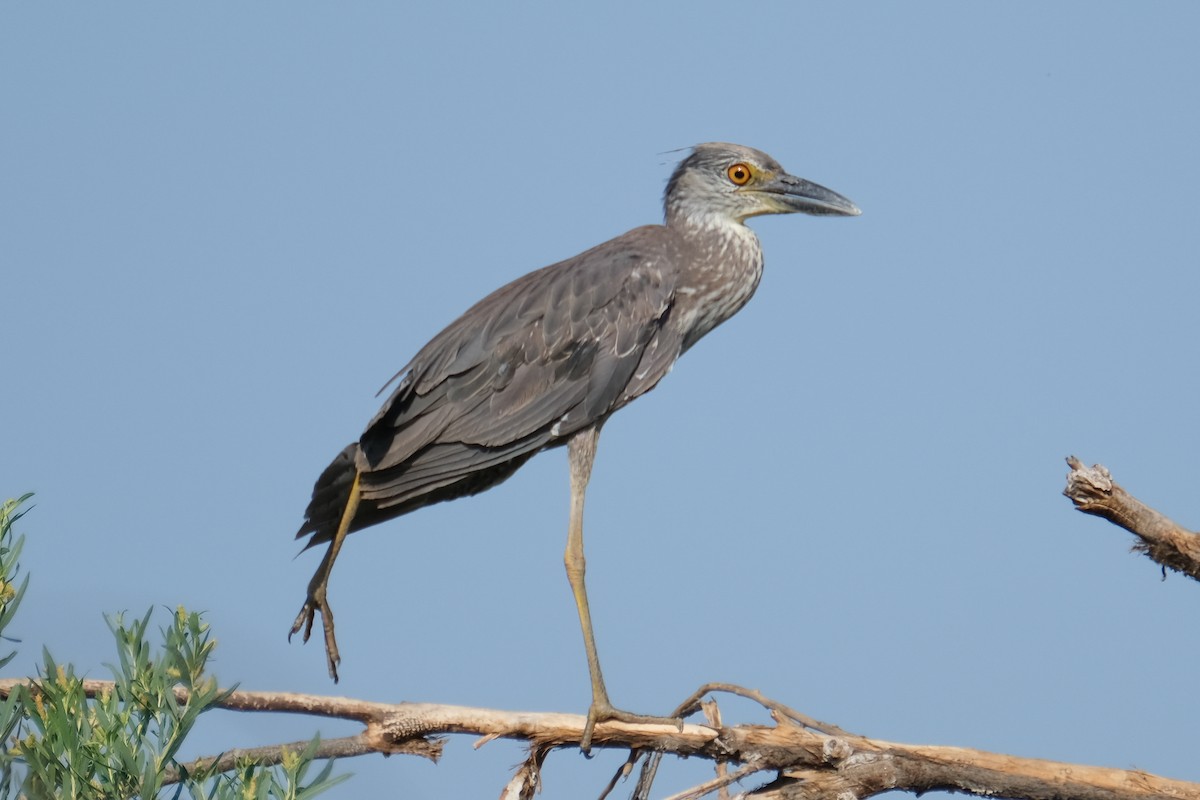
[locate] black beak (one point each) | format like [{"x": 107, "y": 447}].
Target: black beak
[{"x": 796, "y": 194}]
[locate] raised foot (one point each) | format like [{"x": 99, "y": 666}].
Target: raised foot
[
  {"x": 604, "y": 712},
  {"x": 315, "y": 603}
]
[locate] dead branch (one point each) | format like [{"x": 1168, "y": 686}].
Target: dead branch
[
  {"x": 794, "y": 758},
  {"x": 271, "y": 755},
  {"x": 1093, "y": 491}
]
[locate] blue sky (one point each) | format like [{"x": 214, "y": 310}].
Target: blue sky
[{"x": 225, "y": 226}]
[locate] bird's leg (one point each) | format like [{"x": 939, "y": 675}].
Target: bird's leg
[
  {"x": 319, "y": 585},
  {"x": 581, "y": 452}
]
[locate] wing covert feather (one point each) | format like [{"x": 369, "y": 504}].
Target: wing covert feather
[{"x": 540, "y": 358}]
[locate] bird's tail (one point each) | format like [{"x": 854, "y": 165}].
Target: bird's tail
[{"x": 329, "y": 497}]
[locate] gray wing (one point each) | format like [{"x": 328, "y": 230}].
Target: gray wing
[{"x": 552, "y": 353}]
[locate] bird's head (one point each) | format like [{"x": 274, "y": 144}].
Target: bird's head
[{"x": 732, "y": 182}]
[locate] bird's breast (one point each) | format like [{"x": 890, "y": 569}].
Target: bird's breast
[{"x": 719, "y": 278}]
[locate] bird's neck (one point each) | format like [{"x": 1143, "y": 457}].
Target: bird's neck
[{"x": 721, "y": 266}]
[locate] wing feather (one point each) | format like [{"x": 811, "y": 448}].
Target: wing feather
[{"x": 547, "y": 355}]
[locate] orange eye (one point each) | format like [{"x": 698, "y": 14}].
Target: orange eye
[{"x": 739, "y": 173}]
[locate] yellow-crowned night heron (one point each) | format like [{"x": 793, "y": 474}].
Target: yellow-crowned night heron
[{"x": 545, "y": 360}]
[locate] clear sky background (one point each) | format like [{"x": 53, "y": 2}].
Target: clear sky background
[{"x": 223, "y": 227}]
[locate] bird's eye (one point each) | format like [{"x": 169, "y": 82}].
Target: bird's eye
[{"x": 739, "y": 174}]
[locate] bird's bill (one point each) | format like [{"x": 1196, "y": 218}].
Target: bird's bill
[{"x": 791, "y": 194}]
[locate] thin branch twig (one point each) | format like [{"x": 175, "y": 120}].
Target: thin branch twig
[
  {"x": 269, "y": 756},
  {"x": 719, "y": 783},
  {"x": 692, "y": 705}
]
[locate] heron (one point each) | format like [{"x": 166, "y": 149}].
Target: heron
[{"x": 545, "y": 361}]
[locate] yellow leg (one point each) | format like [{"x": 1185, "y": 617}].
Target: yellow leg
[
  {"x": 581, "y": 452},
  {"x": 319, "y": 585}
]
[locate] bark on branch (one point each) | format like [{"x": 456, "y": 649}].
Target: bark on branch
[
  {"x": 793, "y": 758},
  {"x": 1093, "y": 491}
]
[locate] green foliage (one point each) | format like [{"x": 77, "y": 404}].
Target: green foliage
[
  {"x": 285, "y": 782},
  {"x": 123, "y": 742},
  {"x": 10, "y": 598},
  {"x": 10, "y": 551}
]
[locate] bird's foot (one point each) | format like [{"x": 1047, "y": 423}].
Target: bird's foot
[
  {"x": 315, "y": 603},
  {"x": 604, "y": 711}
]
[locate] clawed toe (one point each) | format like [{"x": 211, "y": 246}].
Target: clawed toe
[
  {"x": 316, "y": 603},
  {"x": 605, "y": 712},
  {"x": 303, "y": 620}
]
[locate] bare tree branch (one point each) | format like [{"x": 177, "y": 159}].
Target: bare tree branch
[
  {"x": 806, "y": 762},
  {"x": 1093, "y": 491},
  {"x": 271, "y": 755}
]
